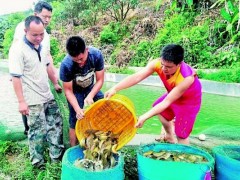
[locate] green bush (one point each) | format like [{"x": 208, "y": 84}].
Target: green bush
[
  {"x": 172, "y": 32},
  {"x": 8, "y": 29},
  {"x": 15, "y": 163},
  {"x": 123, "y": 70},
  {"x": 226, "y": 75},
  {"x": 3, "y": 27},
  {"x": 59, "y": 14},
  {"x": 55, "y": 51},
  {"x": 113, "y": 58},
  {"x": 180, "y": 29},
  {"x": 225, "y": 58},
  {"x": 8, "y": 38},
  {"x": 108, "y": 37},
  {"x": 142, "y": 53},
  {"x": 218, "y": 34},
  {"x": 113, "y": 33},
  {"x": 195, "y": 41}
]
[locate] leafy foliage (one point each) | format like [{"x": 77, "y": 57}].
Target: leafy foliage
[
  {"x": 118, "y": 9},
  {"x": 230, "y": 19},
  {"x": 63, "y": 107},
  {"x": 227, "y": 75},
  {"x": 72, "y": 8},
  {"x": 90, "y": 14},
  {"x": 142, "y": 52},
  {"x": 59, "y": 14},
  {"x": 178, "y": 29},
  {"x": 4, "y": 25},
  {"x": 172, "y": 31},
  {"x": 84, "y": 12},
  {"x": 113, "y": 32},
  {"x": 7, "y": 28},
  {"x": 14, "y": 162},
  {"x": 226, "y": 57},
  {"x": 8, "y": 38},
  {"x": 55, "y": 51},
  {"x": 122, "y": 70}
]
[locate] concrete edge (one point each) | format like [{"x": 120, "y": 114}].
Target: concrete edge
[{"x": 212, "y": 87}]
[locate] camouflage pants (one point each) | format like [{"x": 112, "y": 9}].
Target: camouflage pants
[{"x": 45, "y": 127}]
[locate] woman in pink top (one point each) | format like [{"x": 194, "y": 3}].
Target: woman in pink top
[{"x": 183, "y": 98}]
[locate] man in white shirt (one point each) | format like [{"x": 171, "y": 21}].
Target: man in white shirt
[
  {"x": 30, "y": 70},
  {"x": 43, "y": 10}
]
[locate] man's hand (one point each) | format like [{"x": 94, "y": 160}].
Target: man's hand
[
  {"x": 58, "y": 88},
  {"x": 23, "y": 108},
  {"x": 79, "y": 114},
  {"x": 88, "y": 101}
]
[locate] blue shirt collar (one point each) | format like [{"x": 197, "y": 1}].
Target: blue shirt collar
[{"x": 31, "y": 45}]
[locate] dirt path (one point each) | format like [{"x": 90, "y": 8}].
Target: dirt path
[{"x": 10, "y": 119}]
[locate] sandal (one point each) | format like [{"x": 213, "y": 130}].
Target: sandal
[{"x": 161, "y": 138}]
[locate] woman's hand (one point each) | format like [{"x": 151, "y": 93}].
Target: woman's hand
[{"x": 110, "y": 93}]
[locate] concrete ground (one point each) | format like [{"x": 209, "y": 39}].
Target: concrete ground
[{"x": 9, "y": 115}]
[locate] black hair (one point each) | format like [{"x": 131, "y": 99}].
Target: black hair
[
  {"x": 30, "y": 19},
  {"x": 173, "y": 53},
  {"x": 42, "y": 5},
  {"x": 75, "y": 45}
]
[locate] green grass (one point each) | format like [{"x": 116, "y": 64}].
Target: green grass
[
  {"x": 14, "y": 155},
  {"x": 15, "y": 163},
  {"x": 122, "y": 70},
  {"x": 224, "y": 75}
]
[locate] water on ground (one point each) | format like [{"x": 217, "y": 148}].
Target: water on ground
[{"x": 216, "y": 110}]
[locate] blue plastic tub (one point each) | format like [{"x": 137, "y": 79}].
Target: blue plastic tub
[
  {"x": 71, "y": 172},
  {"x": 227, "y": 159},
  {"x": 151, "y": 169}
]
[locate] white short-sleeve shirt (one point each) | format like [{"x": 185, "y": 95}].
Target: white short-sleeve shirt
[{"x": 24, "y": 62}]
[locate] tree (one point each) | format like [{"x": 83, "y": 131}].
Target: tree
[
  {"x": 82, "y": 11},
  {"x": 118, "y": 9}
]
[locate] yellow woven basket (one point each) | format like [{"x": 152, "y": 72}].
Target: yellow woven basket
[{"x": 116, "y": 115}]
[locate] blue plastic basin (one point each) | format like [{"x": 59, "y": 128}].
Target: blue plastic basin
[
  {"x": 71, "y": 172},
  {"x": 152, "y": 169},
  {"x": 227, "y": 159}
]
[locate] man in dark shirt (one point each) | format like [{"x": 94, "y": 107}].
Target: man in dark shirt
[{"x": 80, "y": 67}]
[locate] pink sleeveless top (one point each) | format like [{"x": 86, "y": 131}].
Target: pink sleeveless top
[{"x": 193, "y": 94}]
